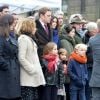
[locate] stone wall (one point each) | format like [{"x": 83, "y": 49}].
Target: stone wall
[{"x": 91, "y": 8}]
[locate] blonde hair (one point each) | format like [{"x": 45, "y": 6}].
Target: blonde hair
[
  {"x": 26, "y": 26},
  {"x": 48, "y": 48},
  {"x": 80, "y": 46},
  {"x": 18, "y": 25}
]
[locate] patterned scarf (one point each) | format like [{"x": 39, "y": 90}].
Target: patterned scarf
[
  {"x": 52, "y": 62},
  {"x": 78, "y": 58}
]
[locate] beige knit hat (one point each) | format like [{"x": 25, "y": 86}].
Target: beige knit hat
[{"x": 76, "y": 20}]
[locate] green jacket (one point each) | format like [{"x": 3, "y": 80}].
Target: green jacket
[
  {"x": 68, "y": 43},
  {"x": 78, "y": 38}
]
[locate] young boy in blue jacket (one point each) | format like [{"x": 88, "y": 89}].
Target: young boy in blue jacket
[{"x": 77, "y": 70}]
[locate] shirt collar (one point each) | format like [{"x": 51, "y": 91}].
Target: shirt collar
[{"x": 43, "y": 24}]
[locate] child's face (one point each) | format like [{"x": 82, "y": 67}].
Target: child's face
[
  {"x": 54, "y": 50},
  {"x": 81, "y": 52},
  {"x": 63, "y": 56}
]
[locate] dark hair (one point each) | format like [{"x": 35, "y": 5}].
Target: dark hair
[
  {"x": 43, "y": 10},
  {"x": 0, "y": 9},
  {"x": 68, "y": 28},
  {"x": 54, "y": 17},
  {"x": 4, "y": 7},
  {"x": 62, "y": 50},
  {"x": 13, "y": 14},
  {"x": 5, "y": 22}
]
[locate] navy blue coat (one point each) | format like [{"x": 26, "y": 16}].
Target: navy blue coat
[
  {"x": 78, "y": 73},
  {"x": 9, "y": 69}
]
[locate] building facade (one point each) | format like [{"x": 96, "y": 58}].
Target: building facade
[{"x": 90, "y": 9}]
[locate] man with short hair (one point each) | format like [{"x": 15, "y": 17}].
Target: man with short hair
[
  {"x": 43, "y": 34},
  {"x": 76, "y": 22},
  {"x": 94, "y": 44},
  {"x": 91, "y": 31},
  {"x": 4, "y": 9}
]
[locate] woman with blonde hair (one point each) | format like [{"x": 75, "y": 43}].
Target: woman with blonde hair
[{"x": 31, "y": 73}]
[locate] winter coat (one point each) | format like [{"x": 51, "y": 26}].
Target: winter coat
[
  {"x": 68, "y": 43},
  {"x": 30, "y": 71},
  {"x": 42, "y": 38},
  {"x": 55, "y": 78},
  {"x": 94, "y": 44},
  {"x": 78, "y": 38},
  {"x": 89, "y": 52},
  {"x": 78, "y": 73},
  {"x": 9, "y": 68}
]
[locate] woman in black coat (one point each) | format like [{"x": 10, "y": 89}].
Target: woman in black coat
[{"x": 9, "y": 65}]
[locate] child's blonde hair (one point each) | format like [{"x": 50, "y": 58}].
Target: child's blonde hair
[
  {"x": 80, "y": 47},
  {"x": 48, "y": 48}
]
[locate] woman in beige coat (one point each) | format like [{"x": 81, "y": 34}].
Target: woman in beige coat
[{"x": 31, "y": 75}]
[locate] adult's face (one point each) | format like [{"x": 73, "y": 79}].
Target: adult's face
[
  {"x": 60, "y": 19},
  {"x": 93, "y": 32},
  {"x": 72, "y": 33},
  {"x": 46, "y": 18},
  {"x": 16, "y": 18},
  {"x": 54, "y": 23},
  {"x": 77, "y": 26},
  {"x": 5, "y": 11},
  {"x": 34, "y": 30},
  {"x": 12, "y": 27}
]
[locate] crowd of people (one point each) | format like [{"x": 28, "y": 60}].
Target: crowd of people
[{"x": 47, "y": 58}]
